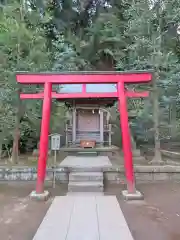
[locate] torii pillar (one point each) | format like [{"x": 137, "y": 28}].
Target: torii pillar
[
  {"x": 43, "y": 147},
  {"x": 131, "y": 193}
]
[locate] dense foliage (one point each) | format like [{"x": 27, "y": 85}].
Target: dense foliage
[{"x": 58, "y": 35}]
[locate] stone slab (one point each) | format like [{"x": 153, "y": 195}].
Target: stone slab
[
  {"x": 56, "y": 221},
  {"x": 112, "y": 224},
  {"x": 85, "y": 162},
  {"x": 84, "y": 218},
  {"x": 84, "y": 226}
]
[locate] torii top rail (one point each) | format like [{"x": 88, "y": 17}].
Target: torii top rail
[{"x": 118, "y": 78}]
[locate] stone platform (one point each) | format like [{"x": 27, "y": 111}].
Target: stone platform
[
  {"x": 94, "y": 162},
  {"x": 84, "y": 218}
]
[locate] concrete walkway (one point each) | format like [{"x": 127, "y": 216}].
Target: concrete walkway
[{"x": 84, "y": 218}]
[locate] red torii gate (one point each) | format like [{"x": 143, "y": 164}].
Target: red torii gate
[{"x": 119, "y": 78}]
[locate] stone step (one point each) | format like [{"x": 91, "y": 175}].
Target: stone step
[
  {"x": 139, "y": 159},
  {"x": 85, "y": 176},
  {"x": 85, "y": 194},
  {"x": 85, "y": 153},
  {"x": 86, "y": 186}
]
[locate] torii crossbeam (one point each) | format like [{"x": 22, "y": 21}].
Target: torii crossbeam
[{"x": 121, "y": 95}]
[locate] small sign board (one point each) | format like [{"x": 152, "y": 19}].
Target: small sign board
[{"x": 55, "y": 142}]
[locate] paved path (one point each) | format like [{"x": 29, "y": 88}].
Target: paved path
[
  {"x": 84, "y": 161},
  {"x": 84, "y": 218}
]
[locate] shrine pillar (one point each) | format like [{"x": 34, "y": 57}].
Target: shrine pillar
[
  {"x": 43, "y": 148},
  {"x": 74, "y": 125},
  {"x": 101, "y": 123}
]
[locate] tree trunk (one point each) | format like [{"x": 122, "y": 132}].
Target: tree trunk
[
  {"x": 157, "y": 152},
  {"x": 0, "y": 150},
  {"x": 173, "y": 119},
  {"x": 15, "y": 148}
]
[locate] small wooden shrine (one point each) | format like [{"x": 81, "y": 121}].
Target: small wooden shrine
[{"x": 88, "y": 120}]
